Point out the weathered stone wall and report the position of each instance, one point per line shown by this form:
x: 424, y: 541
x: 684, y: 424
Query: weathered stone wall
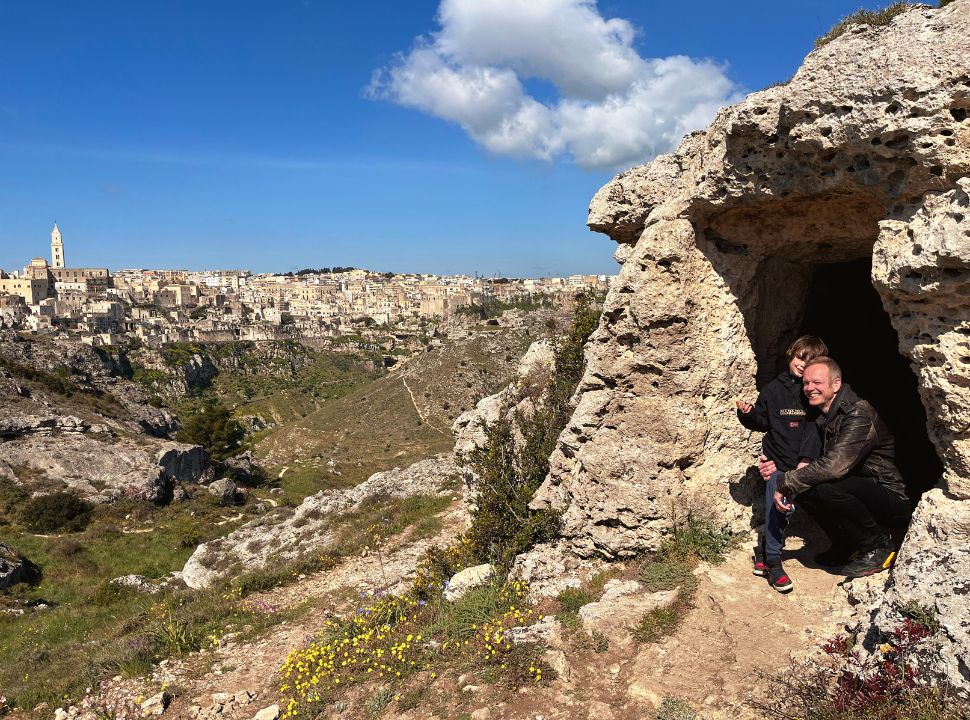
x: 864, y: 153
x: 718, y: 242
x: 921, y: 267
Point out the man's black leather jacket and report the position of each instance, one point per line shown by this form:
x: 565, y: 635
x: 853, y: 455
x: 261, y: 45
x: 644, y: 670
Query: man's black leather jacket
x: 855, y: 442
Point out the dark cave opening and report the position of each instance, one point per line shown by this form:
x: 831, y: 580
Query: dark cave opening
x: 844, y: 309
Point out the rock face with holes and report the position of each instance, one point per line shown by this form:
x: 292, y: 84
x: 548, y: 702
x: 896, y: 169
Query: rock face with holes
x: 863, y: 155
x: 718, y: 240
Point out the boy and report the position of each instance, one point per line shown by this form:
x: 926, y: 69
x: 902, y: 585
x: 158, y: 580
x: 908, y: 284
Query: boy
x: 782, y: 412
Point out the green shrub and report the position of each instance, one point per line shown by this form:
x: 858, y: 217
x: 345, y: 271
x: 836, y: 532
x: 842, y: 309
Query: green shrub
x: 667, y: 575
x: 510, y: 472
x: 214, y: 428
x: 378, y: 701
x: 697, y: 538
x: 925, y: 616
x: 572, y: 599
x: 672, y: 708
x: 865, y: 17
x: 57, y: 511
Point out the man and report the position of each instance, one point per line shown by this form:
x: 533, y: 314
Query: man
x: 854, y: 489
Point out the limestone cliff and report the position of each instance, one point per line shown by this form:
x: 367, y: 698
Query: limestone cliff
x: 863, y: 156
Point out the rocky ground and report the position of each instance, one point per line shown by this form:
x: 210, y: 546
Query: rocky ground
x: 738, y: 632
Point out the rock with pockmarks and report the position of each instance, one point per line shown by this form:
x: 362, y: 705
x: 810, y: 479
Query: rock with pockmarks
x: 468, y: 579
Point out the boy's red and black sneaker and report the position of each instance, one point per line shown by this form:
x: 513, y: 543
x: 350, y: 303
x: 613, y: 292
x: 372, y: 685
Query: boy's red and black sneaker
x: 759, y: 568
x: 778, y: 579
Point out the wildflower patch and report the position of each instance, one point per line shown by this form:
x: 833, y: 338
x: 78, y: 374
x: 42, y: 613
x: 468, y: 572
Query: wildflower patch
x: 388, y: 639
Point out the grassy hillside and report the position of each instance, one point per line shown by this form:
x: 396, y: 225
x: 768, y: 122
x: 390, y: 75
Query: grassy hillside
x: 392, y: 421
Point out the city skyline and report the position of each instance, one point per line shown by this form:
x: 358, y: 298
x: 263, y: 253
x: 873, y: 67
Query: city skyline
x: 273, y: 139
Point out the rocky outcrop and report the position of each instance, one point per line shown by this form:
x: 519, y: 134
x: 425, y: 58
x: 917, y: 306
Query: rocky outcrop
x: 280, y: 537
x: 103, y: 468
x: 921, y: 267
x: 11, y: 567
x: 932, y: 573
x: 717, y: 243
x: 74, y: 375
x: 864, y: 154
x: 14, y: 426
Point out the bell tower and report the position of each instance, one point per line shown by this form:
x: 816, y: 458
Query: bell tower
x: 57, y: 248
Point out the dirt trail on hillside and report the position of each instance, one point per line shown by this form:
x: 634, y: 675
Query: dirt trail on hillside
x: 738, y: 630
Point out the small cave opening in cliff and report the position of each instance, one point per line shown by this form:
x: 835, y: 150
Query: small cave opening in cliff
x: 844, y: 309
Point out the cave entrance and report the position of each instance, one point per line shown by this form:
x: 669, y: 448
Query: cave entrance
x: 844, y: 309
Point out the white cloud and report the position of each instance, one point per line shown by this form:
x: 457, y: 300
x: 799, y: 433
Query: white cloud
x: 613, y: 108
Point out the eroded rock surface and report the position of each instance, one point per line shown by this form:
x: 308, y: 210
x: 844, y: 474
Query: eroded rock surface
x: 279, y: 536
x: 102, y: 468
x: 863, y: 155
x: 717, y: 243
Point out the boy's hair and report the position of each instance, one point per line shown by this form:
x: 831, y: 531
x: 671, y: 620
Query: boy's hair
x: 807, y: 347
x: 834, y: 370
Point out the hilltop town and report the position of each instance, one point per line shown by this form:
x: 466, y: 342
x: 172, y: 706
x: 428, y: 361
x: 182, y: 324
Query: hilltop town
x: 99, y: 307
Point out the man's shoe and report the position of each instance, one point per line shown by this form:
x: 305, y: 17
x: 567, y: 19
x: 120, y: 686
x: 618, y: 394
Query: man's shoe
x: 870, y: 562
x: 778, y: 578
x: 835, y: 556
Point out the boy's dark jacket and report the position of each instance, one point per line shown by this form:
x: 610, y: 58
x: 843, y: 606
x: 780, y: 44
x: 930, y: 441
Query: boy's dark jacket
x: 783, y: 413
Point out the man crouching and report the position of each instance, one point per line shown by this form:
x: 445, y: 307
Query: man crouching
x: 854, y: 489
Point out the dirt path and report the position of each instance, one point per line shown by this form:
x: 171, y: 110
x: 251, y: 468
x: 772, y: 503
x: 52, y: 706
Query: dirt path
x: 418, y: 410
x: 738, y: 630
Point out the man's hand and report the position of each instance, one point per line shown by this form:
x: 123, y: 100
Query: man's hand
x: 782, y: 507
x: 743, y: 407
x: 766, y: 467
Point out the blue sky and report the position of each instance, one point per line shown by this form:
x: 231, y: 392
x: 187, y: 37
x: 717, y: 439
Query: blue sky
x: 460, y: 136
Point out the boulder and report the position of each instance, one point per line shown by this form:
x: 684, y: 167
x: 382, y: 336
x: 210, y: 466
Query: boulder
x: 268, y: 713
x: 138, y: 583
x: 156, y: 704
x: 860, y: 155
x: 468, y: 579
x: 863, y: 156
x: 620, y: 609
x: 101, y: 467
x: 225, y: 489
x: 11, y: 567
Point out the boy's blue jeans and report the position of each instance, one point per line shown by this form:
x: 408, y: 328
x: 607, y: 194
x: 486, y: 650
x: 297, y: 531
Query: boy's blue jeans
x: 775, y: 521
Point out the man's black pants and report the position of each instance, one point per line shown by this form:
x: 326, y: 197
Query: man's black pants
x: 851, y: 510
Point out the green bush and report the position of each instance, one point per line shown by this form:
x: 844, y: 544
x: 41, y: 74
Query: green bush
x: 510, y: 472
x: 865, y: 17
x: 572, y: 599
x: 57, y: 511
x: 697, y: 538
x: 214, y: 428
x: 667, y: 575
x: 925, y: 616
x: 672, y: 708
